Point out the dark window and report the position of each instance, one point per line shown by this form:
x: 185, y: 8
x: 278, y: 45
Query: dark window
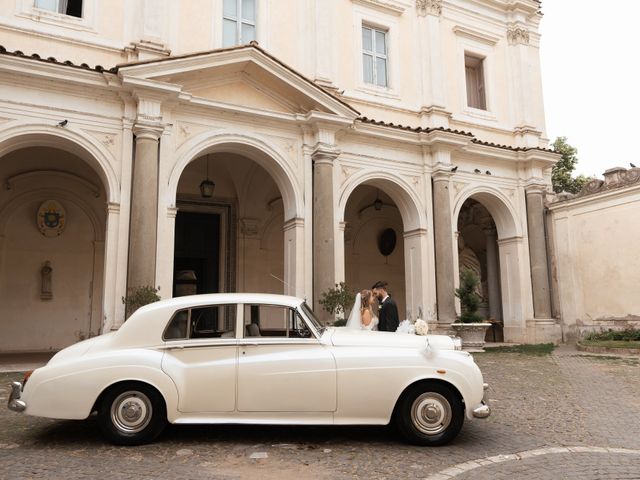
x: 67, y: 7
x: 216, y: 321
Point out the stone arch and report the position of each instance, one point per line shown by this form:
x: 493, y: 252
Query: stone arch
x: 264, y: 153
x: 406, y: 199
x: 74, y: 141
x: 509, y: 265
x: 499, y: 206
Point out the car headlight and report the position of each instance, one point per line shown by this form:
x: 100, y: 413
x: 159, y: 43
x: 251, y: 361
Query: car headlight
x: 457, y: 343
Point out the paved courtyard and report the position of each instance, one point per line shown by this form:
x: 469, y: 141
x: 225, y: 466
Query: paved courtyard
x: 559, y: 416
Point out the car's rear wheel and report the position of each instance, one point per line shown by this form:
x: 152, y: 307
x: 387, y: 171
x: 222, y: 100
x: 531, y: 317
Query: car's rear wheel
x: 430, y: 414
x: 132, y: 413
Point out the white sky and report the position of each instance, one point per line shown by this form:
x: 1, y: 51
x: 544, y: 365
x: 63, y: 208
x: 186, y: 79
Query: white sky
x: 591, y: 79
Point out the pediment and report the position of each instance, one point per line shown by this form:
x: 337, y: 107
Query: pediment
x: 245, y: 77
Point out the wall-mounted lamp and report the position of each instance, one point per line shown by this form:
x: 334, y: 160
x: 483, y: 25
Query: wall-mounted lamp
x: 207, y: 186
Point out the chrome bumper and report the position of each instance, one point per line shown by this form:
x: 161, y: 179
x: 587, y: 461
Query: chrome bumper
x: 483, y: 411
x: 15, y: 403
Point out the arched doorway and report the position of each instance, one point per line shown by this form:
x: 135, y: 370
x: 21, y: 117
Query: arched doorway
x: 478, y: 252
x: 53, y: 219
x: 373, y: 205
x: 490, y: 243
x: 374, y: 243
x: 230, y: 239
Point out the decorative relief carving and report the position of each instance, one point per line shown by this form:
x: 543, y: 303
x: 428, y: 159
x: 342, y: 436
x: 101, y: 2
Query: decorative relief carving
x: 517, y: 34
x: 458, y: 186
x: 429, y: 7
x: 613, y: 178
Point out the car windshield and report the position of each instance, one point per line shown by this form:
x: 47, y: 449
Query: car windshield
x: 312, y: 318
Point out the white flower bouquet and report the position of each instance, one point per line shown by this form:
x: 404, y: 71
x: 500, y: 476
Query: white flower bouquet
x: 420, y: 327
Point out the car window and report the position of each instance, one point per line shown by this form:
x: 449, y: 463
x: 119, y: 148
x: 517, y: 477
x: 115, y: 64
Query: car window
x: 273, y: 321
x: 214, y: 321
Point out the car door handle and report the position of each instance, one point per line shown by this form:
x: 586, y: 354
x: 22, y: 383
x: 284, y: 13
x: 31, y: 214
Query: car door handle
x: 249, y: 344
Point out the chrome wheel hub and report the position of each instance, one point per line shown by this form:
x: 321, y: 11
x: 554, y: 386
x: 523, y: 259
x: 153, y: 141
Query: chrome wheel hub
x: 431, y: 413
x: 131, y: 412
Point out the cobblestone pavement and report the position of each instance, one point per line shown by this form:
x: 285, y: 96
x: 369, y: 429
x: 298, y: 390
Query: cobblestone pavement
x: 561, y: 416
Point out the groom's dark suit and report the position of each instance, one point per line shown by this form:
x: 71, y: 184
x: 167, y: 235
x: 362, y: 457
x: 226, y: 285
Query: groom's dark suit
x: 388, y: 316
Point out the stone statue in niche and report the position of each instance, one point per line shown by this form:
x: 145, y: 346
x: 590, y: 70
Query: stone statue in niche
x: 46, y: 272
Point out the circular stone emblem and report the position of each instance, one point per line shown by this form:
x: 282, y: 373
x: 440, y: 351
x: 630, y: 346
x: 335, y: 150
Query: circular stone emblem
x: 51, y: 218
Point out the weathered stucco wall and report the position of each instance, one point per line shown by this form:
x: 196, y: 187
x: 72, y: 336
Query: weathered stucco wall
x: 595, y: 242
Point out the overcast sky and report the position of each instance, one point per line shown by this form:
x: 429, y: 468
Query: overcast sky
x: 590, y: 71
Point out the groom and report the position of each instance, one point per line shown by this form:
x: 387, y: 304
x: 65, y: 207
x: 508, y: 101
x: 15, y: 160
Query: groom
x: 388, y: 314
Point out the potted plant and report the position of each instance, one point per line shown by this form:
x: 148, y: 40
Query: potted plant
x: 138, y: 297
x: 336, y: 301
x: 469, y: 325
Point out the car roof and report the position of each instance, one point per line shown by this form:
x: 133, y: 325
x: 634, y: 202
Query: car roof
x: 220, y: 298
x: 145, y: 326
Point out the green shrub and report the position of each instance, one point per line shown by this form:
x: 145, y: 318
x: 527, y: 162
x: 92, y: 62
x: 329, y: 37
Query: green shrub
x: 629, y: 334
x: 469, y: 299
x: 138, y: 297
x: 337, y: 300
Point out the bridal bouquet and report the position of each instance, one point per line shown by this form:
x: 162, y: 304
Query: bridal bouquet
x: 420, y: 327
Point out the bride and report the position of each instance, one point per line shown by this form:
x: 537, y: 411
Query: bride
x: 362, y: 314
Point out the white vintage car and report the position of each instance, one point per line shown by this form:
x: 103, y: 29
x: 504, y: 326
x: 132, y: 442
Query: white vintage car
x: 254, y: 359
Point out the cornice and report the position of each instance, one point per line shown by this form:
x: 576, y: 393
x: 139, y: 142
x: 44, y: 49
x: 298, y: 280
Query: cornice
x: 477, y: 35
x: 393, y: 7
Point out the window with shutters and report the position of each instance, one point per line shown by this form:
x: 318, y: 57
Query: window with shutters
x: 474, y: 72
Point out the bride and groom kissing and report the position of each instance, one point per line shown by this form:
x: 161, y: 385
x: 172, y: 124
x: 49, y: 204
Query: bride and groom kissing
x: 374, y: 310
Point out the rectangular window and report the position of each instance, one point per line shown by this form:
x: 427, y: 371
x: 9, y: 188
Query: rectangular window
x: 216, y: 321
x: 273, y: 321
x: 238, y: 22
x: 374, y: 56
x: 66, y: 7
x: 474, y: 72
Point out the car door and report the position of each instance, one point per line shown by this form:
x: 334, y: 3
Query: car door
x: 201, y: 357
x: 282, y: 366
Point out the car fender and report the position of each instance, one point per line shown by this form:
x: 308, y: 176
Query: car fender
x: 70, y: 389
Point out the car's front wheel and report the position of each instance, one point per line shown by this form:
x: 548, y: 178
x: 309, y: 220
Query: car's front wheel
x: 132, y: 413
x: 430, y: 414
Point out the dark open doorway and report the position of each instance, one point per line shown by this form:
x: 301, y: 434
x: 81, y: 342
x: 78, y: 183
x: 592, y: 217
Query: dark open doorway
x: 196, y: 265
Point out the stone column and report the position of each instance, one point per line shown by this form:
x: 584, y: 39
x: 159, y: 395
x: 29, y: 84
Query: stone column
x: 144, y: 208
x: 538, y: 252
x: 294, y: 257
x: 443, y: 231
x: 493, y: 275
x: 324, y: 274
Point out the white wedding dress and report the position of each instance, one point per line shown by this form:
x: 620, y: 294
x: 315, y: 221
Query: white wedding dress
x: 355, y: 317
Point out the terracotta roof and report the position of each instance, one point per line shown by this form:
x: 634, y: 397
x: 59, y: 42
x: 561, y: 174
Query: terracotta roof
x: 412, y: 129
x: 68, y: 63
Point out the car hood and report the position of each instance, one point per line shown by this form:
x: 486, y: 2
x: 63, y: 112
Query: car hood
x: 342, y: 336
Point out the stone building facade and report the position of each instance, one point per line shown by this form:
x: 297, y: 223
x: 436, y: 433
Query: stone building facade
x: 594, y: 243
x: 326, y: 128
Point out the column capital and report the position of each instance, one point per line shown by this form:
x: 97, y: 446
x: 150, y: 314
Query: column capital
x: 518, y: 34
x: 113, y: 208
x: 535, y: 187
x: 442, y: 173
x: 292, y: 223
x: 324, y: 153
x: 147, y: 131
x: 429, y: 7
